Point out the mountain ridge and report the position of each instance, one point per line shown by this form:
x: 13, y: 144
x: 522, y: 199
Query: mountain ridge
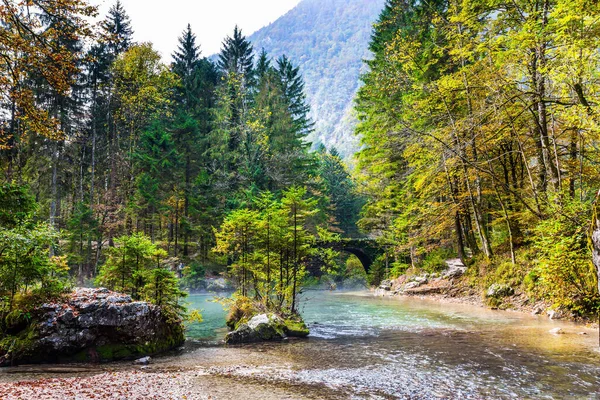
x: 330, y: 56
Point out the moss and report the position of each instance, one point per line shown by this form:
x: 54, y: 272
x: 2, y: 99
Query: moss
x: 295, y: 327
x: 22, y: 345
x: 82, y: 356
x: 493, y: 302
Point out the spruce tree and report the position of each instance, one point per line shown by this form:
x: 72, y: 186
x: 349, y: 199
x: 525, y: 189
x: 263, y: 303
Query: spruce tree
x: 117, y: 32
x: 192, y: 118
x: 186, y: 60
x: 293, y: 89
x: 236, y: 55
x: 263, y: 64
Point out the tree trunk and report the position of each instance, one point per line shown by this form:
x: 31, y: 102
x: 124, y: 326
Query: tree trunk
x: 186, y: 206
x: 596, y: 246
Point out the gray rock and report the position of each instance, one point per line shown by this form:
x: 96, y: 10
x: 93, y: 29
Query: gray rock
x: 96, y: 324
x: 262, y: 327
x: 456, y: 268
x: 243, y: 334
x: 421, y: 280
x: 143, y: 361
x: 386, y: 285
x: 555, y: 314
x: 499, y: 290
x: 412, y: 285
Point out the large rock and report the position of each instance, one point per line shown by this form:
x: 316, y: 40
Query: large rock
x: 96, y: 325
x: 456, y: 268
x: 498, y: 290
x: 266, y: 327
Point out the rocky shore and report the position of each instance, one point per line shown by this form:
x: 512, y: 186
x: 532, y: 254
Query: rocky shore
x: 450, y: 286
x: 92, y: 325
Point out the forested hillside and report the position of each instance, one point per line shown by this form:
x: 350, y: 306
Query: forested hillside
x: 480, y: 126
x: 118, y: 169
x: 328, y: 39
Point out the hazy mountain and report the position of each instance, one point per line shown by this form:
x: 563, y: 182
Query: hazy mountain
x: 328, y: 39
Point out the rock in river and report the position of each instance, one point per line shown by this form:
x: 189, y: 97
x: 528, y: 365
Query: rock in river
x: 94, y: 325
x: 266, y: 327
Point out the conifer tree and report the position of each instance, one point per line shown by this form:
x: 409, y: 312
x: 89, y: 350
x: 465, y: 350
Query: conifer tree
x: 293, y: 89
x: 236, y: 56
x: 192, y: 118
x: 263, y: 65
x: 117, y: 31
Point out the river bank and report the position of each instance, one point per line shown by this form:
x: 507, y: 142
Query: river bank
x: 361, y: 346
x: 452, y: 287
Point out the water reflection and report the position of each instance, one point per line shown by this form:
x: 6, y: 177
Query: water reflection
x: 421, y: 349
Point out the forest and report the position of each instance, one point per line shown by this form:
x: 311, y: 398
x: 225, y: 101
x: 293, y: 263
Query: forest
x: 182, y: 226
x: 119, y: 169
x: 480, y: 129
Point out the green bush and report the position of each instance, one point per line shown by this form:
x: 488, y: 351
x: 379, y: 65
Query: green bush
x: 193, y: 276
x: 564, y: 273
x: 435, y: 261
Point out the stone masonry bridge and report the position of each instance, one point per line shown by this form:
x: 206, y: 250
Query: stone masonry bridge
x: 366, y: 250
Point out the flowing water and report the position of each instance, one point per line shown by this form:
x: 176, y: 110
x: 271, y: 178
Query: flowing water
x: 363, y: 346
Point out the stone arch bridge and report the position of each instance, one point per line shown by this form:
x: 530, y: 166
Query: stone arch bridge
x: 366, y: 250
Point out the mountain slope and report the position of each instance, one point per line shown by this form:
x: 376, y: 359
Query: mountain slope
x: 328, y: 39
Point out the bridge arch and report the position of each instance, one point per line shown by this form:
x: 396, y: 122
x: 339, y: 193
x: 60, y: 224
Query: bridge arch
x: 364, y: 258
x: 366, y: 250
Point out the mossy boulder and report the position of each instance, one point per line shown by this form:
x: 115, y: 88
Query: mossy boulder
x: 295, y: 327
x: 93, y: 325
x: 267, y: 327
x: 498, y: 291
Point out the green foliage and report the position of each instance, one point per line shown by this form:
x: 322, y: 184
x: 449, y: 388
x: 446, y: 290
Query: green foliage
x: 17, y: 205
x: 193, y: 276
x: 435, y: 261
x: 25, y: 264
x: 241, y: 309
x: 377, y: 272
x: 466, y: 148
x: 341, y: 191
x: 564, y: 272
x: 398, y: 268
x: 355, y: 275
x: 268, y: 247
x: 136, y: 265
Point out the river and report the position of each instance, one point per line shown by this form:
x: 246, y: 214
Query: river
x: 369, y: 347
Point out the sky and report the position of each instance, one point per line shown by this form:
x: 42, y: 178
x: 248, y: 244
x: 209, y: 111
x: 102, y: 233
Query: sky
x: 162, y: 21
